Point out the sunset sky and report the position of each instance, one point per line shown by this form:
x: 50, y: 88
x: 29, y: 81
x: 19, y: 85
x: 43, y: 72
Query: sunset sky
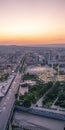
x: 32, y: 21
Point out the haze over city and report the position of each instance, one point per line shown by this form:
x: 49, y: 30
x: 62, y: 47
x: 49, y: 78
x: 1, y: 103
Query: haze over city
x: 29, y: 22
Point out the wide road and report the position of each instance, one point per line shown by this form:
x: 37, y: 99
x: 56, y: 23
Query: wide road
x: 7, y: 102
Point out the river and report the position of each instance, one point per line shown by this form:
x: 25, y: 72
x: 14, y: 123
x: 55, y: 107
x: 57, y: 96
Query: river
x: 51, y: 124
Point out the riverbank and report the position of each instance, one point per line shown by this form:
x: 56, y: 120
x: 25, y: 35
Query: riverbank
x: 43, y: 112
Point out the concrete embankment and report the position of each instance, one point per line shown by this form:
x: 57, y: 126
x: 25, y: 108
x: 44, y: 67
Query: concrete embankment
x: 43, y: 112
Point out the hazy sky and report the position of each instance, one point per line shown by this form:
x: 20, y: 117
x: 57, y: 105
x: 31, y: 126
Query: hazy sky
x: 32, y: 21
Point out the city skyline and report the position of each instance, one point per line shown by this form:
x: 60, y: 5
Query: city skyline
x: 32, y: 22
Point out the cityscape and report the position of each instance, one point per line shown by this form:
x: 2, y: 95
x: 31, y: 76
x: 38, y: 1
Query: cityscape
x: 32, y: 65
x: 32, y: 88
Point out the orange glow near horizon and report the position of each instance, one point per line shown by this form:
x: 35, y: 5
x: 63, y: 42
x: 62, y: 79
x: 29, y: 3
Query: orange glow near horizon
x: 32, y: 21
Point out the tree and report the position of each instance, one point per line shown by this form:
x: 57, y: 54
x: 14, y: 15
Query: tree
x: 27, y: 103
x: 16, y: 96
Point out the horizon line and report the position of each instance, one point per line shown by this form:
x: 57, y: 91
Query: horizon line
x: 36, y: 45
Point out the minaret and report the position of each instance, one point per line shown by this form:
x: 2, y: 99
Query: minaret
x: 58, y: 73
x: 58, y: 69
x: 52, y: 65
x: 52, y: 69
